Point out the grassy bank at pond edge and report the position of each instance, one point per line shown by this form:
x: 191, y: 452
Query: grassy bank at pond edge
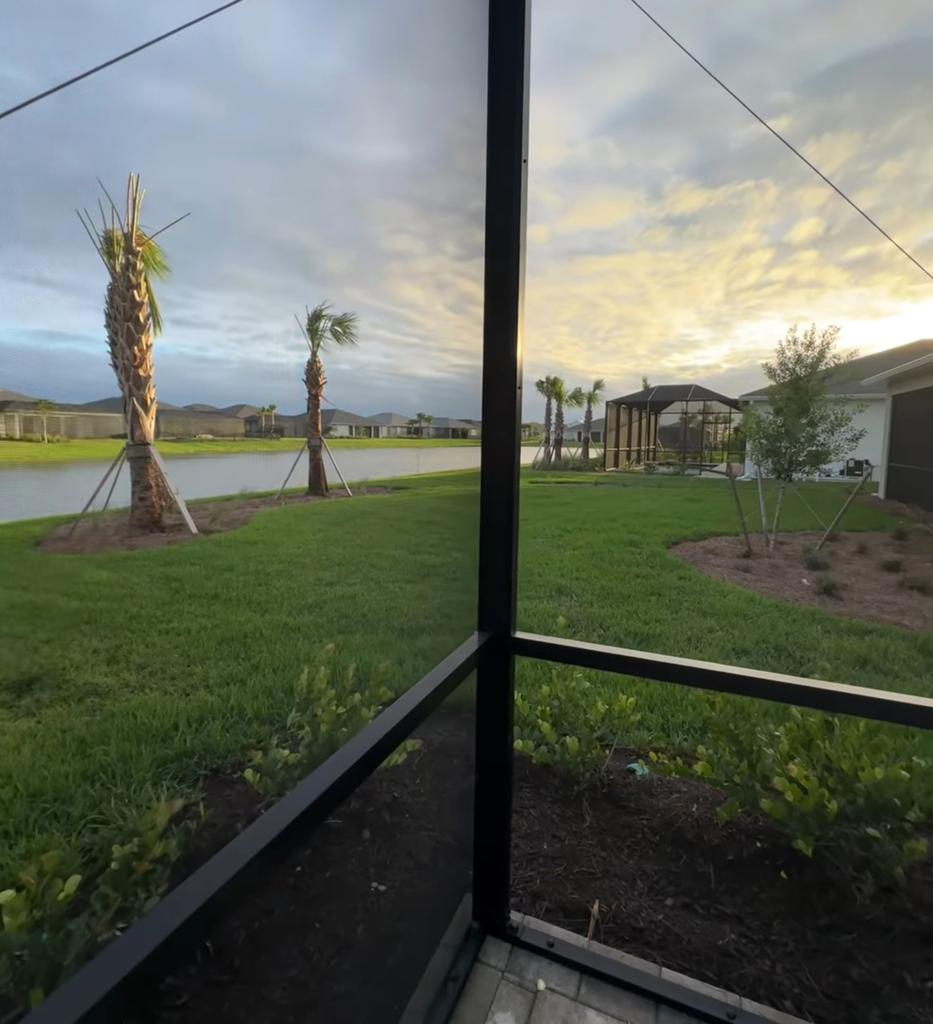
x: 17, y: 453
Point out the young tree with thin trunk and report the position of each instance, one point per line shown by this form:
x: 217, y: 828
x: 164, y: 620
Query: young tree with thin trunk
x: 803, y: 429
x: 427, y: 420
x: 132, y: 319
x: 564, y: 398
x: 591, y: 397
x: 321, y: 329
x: 43, y: 407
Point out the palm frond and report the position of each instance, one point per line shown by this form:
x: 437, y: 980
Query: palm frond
x: 343, y: 329
x: 322, y: 327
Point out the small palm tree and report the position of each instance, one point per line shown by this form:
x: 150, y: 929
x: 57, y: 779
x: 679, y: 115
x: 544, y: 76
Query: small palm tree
x: 132, y: 318
x: 43, y: 407
x: 563, y: 398
x: 271, y: 410
x: 320, y: 329
x: 420, y: 419
x: 427, y: 420
x: 590, y: 397
x: 262, y: 419
x: 545, y: 388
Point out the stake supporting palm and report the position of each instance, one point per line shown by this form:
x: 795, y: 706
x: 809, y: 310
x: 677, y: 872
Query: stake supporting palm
x: 321, y: 329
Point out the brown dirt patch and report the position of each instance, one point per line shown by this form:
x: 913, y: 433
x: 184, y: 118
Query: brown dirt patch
x: 112, y: 531
x: 865, y: 590
x: 677, y: 888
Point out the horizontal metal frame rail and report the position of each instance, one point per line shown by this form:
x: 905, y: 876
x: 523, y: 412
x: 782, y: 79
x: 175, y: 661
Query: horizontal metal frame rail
x: 153, y: 944
x: 836, y: 698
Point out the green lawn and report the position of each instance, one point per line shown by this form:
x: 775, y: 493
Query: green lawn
x: 126, y: 675
x: 91, y: 449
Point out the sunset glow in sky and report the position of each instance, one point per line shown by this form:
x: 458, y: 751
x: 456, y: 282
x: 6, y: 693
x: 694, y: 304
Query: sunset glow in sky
x: 333, y: 150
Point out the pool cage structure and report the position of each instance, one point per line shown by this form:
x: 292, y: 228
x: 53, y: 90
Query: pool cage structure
x: 684, y: 425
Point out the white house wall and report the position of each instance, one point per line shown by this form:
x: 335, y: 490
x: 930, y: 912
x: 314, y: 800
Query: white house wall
x: 871, y: 417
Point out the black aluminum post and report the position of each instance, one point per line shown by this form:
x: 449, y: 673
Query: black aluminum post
x: 506, y: 174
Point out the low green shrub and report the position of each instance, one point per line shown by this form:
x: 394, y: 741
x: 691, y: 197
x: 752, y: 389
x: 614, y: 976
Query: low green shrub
x: 573, y: 464
x: 815, y: 560
x: 834, y: 785
x: 329, y: 709
x: 63, y: 906
x: 900, y: 532
x: 564, y: 720
x: 920, y: 584
x: 892, y: 565
x: 828, y: 587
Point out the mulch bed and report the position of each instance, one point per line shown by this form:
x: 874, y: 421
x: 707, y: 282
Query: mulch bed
x: 677, y: 888
x: 112, y: 531
x: 865, y: 590
x: 342, y: 930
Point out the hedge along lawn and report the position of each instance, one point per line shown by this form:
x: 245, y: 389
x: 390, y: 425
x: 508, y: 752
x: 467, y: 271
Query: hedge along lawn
x: 103, y: 448
x: 124, y: 676
x: 595, y: 566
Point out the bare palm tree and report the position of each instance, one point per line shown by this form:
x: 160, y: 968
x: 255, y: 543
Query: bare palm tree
x: 563, y: 399
x: 590, y: 397
x: 43, y: 407
x: 132, y: 318
x: 545, y: 388
x: 320, y: 329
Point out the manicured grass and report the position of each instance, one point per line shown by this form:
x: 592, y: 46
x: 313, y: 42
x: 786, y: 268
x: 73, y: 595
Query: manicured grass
x: 93, y: 449
x: 126, y: 675
x: 595, y: 566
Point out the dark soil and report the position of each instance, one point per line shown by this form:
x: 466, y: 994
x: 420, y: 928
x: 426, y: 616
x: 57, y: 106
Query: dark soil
x: 677, y: 888
x: 112, y: 531
x: 864, y: 590
x: 318, y: 938
x: 343, y: 929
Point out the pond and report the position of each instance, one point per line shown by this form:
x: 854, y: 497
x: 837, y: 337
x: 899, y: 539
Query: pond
x: 27, y: 492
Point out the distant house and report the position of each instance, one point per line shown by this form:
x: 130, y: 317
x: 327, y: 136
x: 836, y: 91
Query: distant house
x: 340, y: 423
x: 393, y: 424
x: 574, y: 433
x: 861, y: 382
x: 445, y: 427
x: 334, y: 423
x: 530, y: 430
x: 104, y: 418
x: 906, y: 472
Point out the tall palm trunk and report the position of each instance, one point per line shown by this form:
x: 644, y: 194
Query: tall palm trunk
x: 558, y: 431
x: 548, y: 421
x: 130, y: 294
x: 314, y: 382
x: 587, y: 429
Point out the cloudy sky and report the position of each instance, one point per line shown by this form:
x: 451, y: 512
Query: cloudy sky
x: 328, y: 149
